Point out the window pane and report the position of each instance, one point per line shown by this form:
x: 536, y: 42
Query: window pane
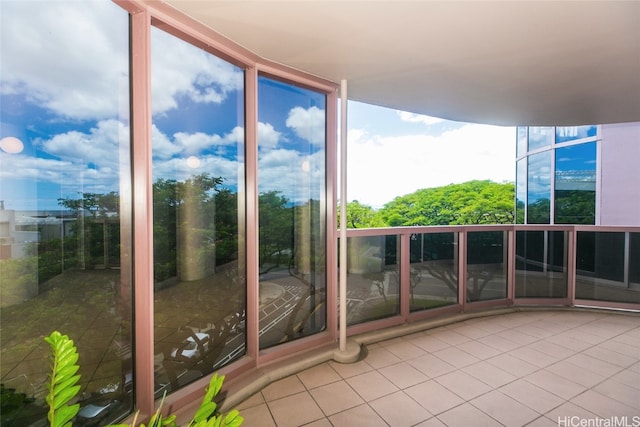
x: 521, y: 144
x: 373, y: 272
x: 541, y: 261
x: 540, y: 137
x: 634, y: 256
x: 291, y: 205
x: 65, y: 204
x: 198, y: 172
x: 486, y: 265
x: 600, y: 269
x: 434, y: 270
x: 521, y: 190
x: 539, y: 188
x: 570, y: 133
x: 575, y: 186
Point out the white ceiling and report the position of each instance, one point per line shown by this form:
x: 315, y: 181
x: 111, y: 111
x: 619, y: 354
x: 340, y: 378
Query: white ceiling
x: 499, y: 62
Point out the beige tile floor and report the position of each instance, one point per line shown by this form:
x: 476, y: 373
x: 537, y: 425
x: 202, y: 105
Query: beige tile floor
x: 538, y: 368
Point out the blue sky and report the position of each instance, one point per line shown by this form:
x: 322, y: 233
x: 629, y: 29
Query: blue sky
x: 75, y: 129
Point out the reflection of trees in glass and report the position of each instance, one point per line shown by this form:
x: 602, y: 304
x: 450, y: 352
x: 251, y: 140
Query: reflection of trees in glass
x: 92, y: 240
x: 195, y: 227
x: 575, y: 207
x: 519, y: 211
x: 538, y: 212
x: 276, y: 230
x: 539, y: 188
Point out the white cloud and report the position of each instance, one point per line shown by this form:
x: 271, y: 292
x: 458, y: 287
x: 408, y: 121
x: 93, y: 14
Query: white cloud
x: 82, y: 48
x: 268, y: 137
x: 194, y: 143
x: 298, y: 177
x: 308, y: 124
x: 181, y: 69
x: 382, y: 168
x: 406, y: 116
x: 99, y: 147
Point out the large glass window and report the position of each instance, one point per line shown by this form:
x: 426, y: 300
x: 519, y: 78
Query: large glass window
x: 292, y: 211
x: 539, y: 188
x: 198, y: 192
x: 575, y: 184
x: 64, y: 204
x: 434, y: 270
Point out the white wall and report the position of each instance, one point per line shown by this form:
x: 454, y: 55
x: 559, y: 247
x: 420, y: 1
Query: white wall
x: 620, y: 174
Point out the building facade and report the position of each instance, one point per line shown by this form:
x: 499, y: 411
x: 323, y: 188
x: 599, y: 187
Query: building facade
x: 578, y: 175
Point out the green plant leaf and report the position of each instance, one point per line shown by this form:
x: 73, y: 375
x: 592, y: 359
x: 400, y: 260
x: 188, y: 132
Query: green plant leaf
x: 205, y: 411
x: 65, y: 396
x: 65, y: 373
x: 62, y: 379
x: 233, y: 418
x: 65, y: 414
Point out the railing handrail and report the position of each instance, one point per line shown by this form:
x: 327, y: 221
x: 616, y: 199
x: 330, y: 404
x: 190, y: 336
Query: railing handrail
x: 414, y: 229
x: 513, y: 265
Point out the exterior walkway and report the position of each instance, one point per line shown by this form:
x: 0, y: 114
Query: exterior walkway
x: 530, y: 368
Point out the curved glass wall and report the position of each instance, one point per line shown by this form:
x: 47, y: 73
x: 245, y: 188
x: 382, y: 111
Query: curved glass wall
x: 65, y: 205
x: 567, y: 154
x: 198, y: 191
x: 292, y: 211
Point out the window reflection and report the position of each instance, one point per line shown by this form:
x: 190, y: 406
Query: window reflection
x: 291, y: 205
x: 570, y: 133
x: 575, y: 184
x: 198, y: 170
x: 541, y: 264
x: 64, y: 198
x: 373, y: 278
x: 604, y: 268
x: 486, y: 265
x: 539, y: 188
x: 521, y: 190
x: 540, y: 137
x: 521, y: 147
x: 434, y: 270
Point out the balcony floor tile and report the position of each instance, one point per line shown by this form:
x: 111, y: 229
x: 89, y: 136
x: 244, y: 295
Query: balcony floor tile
x: 514, y: 369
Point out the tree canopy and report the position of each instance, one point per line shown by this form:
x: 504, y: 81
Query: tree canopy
x: 472, y: 202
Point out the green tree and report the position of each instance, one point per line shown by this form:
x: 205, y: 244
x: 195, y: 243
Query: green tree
x: 473, y: 202
x: 361, y: 216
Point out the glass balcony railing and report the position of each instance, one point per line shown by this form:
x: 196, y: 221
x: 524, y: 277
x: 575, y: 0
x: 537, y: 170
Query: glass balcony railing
x: 408, y: 273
